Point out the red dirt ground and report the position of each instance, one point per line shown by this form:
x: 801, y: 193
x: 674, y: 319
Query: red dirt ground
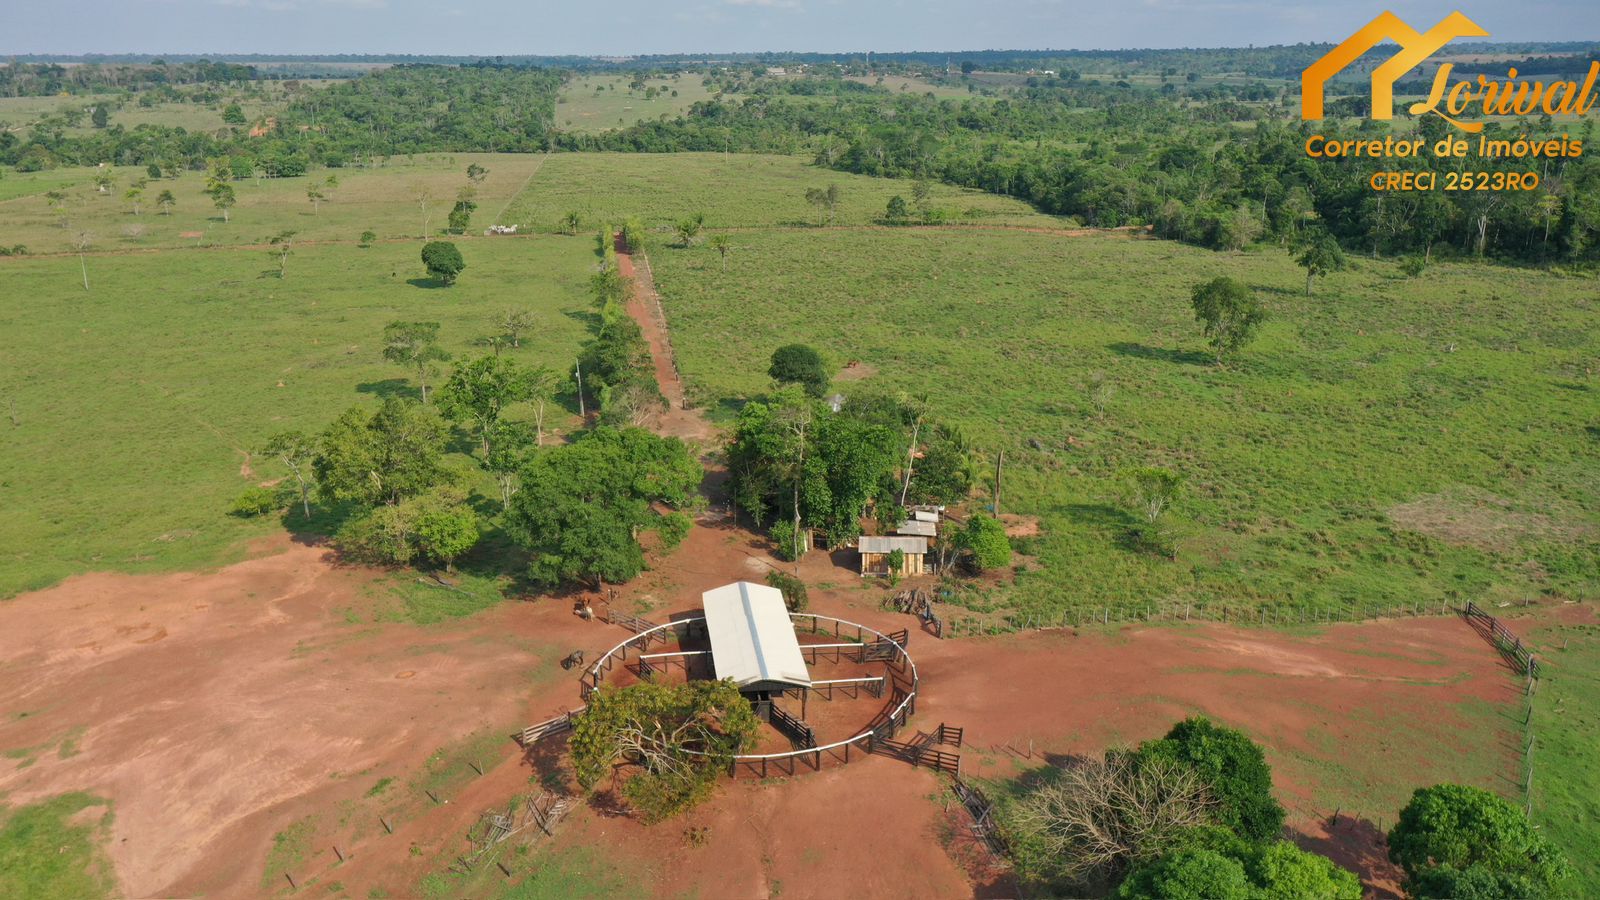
x: 216, y: 709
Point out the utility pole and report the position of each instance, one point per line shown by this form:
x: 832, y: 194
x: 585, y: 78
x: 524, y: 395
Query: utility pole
x: 578, y: 377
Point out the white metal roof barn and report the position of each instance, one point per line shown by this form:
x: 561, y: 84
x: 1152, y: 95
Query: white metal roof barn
x: 752, y: 638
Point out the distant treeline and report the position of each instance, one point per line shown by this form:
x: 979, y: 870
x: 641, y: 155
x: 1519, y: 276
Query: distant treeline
x: 47, y: 79
x: 1220, y: 173
x: 405, y: 109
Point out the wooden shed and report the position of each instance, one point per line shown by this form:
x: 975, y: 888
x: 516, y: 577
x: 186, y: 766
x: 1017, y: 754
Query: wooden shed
x: 875, y: 552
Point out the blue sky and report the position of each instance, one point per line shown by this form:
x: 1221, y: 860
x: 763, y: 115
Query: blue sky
x: 622, y: 27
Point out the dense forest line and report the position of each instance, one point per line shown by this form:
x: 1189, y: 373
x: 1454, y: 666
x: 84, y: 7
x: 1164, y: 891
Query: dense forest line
x: 1205, y: 165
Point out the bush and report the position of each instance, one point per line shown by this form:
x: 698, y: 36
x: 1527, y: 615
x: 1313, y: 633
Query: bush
x: 673, y: 528
x: 443, y: 261
x: 367, y: 237
x: 255, y: 501
x: 1464, y: 842
x: 782, y: 535
x: 795, y: 597
x: 985, y: 538
x: 1211, y: 863
x: 1234, y: 768
x: 802, y: 365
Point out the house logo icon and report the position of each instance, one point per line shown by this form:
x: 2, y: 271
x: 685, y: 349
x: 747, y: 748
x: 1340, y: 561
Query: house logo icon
x: 1414, y: 48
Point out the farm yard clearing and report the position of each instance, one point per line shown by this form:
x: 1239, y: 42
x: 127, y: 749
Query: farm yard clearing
x: 1338, y: 709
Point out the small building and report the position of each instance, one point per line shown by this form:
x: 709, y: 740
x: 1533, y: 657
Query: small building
x: 918, y: 528
x: 753, y: 641
x: 926, y: 513
x: 875, y: 552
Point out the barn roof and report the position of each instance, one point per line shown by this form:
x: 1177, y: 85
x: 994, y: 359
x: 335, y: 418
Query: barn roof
x: 918, y: 527
x: 752, y: 639
x: 878, y: 544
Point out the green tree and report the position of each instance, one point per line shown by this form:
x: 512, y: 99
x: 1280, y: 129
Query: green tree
x: 460, y: 217
x: 101, y: 116
x: 477, y: 393
x: 723, y: 245
x: 1151, y: 491
x: 1210, y: 862
x: 282, y: 245
x: 689, y: 229
x: 985, y: 538
x: 476, y: 173
x: 1232, y: 766
x: 514, y: 322
x: 166, y: 202
x: 133, y: 195
x: 414, y: 345
x: 897, y: 211
x: 233, y: 114
x: 581, y: 505
x: 1230, y: 312
x: 795, y: 596
x: 297, y: 451
x: 446, y: 527
x: 443, y: 261
x: 1320, y: 256
x: 1455, y: 841
x: 802, y: 365
x: 571, y: 221
x: 680, y: 736
x: 316, y: 196
x: 367, y: 237
x: 380, y: 458
x: 222, y: 197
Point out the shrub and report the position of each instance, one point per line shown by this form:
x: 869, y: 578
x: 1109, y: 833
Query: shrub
x: 795, y: 597
x: 367, y: 237
x: 1234, y: 768
x: 782, y: 535
x: 1211, y: 863
x: 985, y: 538
x: 802, y: 365
x: 255, y: 501
x: 443, y: 261
x: 1464, y: 842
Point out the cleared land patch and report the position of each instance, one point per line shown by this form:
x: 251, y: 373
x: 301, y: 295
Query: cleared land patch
x: 733, y: 191
x: 139, y: 404
x: 603, y: 102
x: 1374, y: 392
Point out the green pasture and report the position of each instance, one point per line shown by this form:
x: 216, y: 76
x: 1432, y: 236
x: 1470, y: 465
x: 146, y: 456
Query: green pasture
x: 1388, y: 442
x: 733, y: 191
x: 1566, y: 729
x: 394, y: 200
x: 603, y: 102
x: 128, y: 409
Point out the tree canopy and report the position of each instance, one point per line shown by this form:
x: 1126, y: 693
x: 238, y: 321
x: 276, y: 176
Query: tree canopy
x: 1230, y: 313
x: 1235, y: 769
x: 581, y: 505
x: 802, y: 365
x: 1455, y: 841
x: 443, y: 261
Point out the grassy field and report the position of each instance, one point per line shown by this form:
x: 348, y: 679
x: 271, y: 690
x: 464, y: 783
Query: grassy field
x: 52, y: 849
x: 1389, y: 442
x: 135, y: 402
x: 901, y: 84
x: 22, y: 112
x: 734, y: 191
x: 603, y: 102
x: 383, y: 199
x: 1566, y: 729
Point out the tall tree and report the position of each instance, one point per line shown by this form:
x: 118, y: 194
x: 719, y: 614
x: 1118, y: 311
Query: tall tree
x: 478, y: 393
x: 1230, y: 313
x: 297, y: 451
x: 414, y: 345
x: 1320, y: 256
x: 380, y: 458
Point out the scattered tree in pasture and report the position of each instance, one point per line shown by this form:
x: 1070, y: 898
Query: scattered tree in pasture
x: 514, y: 322
x: 297, y: 451
x: 414, y: 345
x: 166, y: 201
x: 443, y: 261
x: 581, y: 505
x: 1320, y: 256
x: 689, y: 229
x: 1100, y: 390
x: 1230, y: 313
x: 103, y: 181
x: 1455, y: 841
x: 681, y: 736
x: 803, y: 365
x: 367, y: 237
x: 101, y: 116
x: 233, y: 114
x: 571, y: 222
x: 897, y: 212
x: 1151, y: 490
x: 476, y: 173
x: 282, y: 245
x: 316, y: 196
x: 460, y: 218
x: 826, y: 200
x: 153, y: 170
x: 133, y: 195
x: 222, y: 197
x: 380, y: 458
x: 422, y: 194
x: 81, y: 242
x: 1232, y: 767
x: 478, y: 393
x: 723, y: 245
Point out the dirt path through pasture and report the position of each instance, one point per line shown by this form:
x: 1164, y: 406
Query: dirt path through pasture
x: 644, y: 306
